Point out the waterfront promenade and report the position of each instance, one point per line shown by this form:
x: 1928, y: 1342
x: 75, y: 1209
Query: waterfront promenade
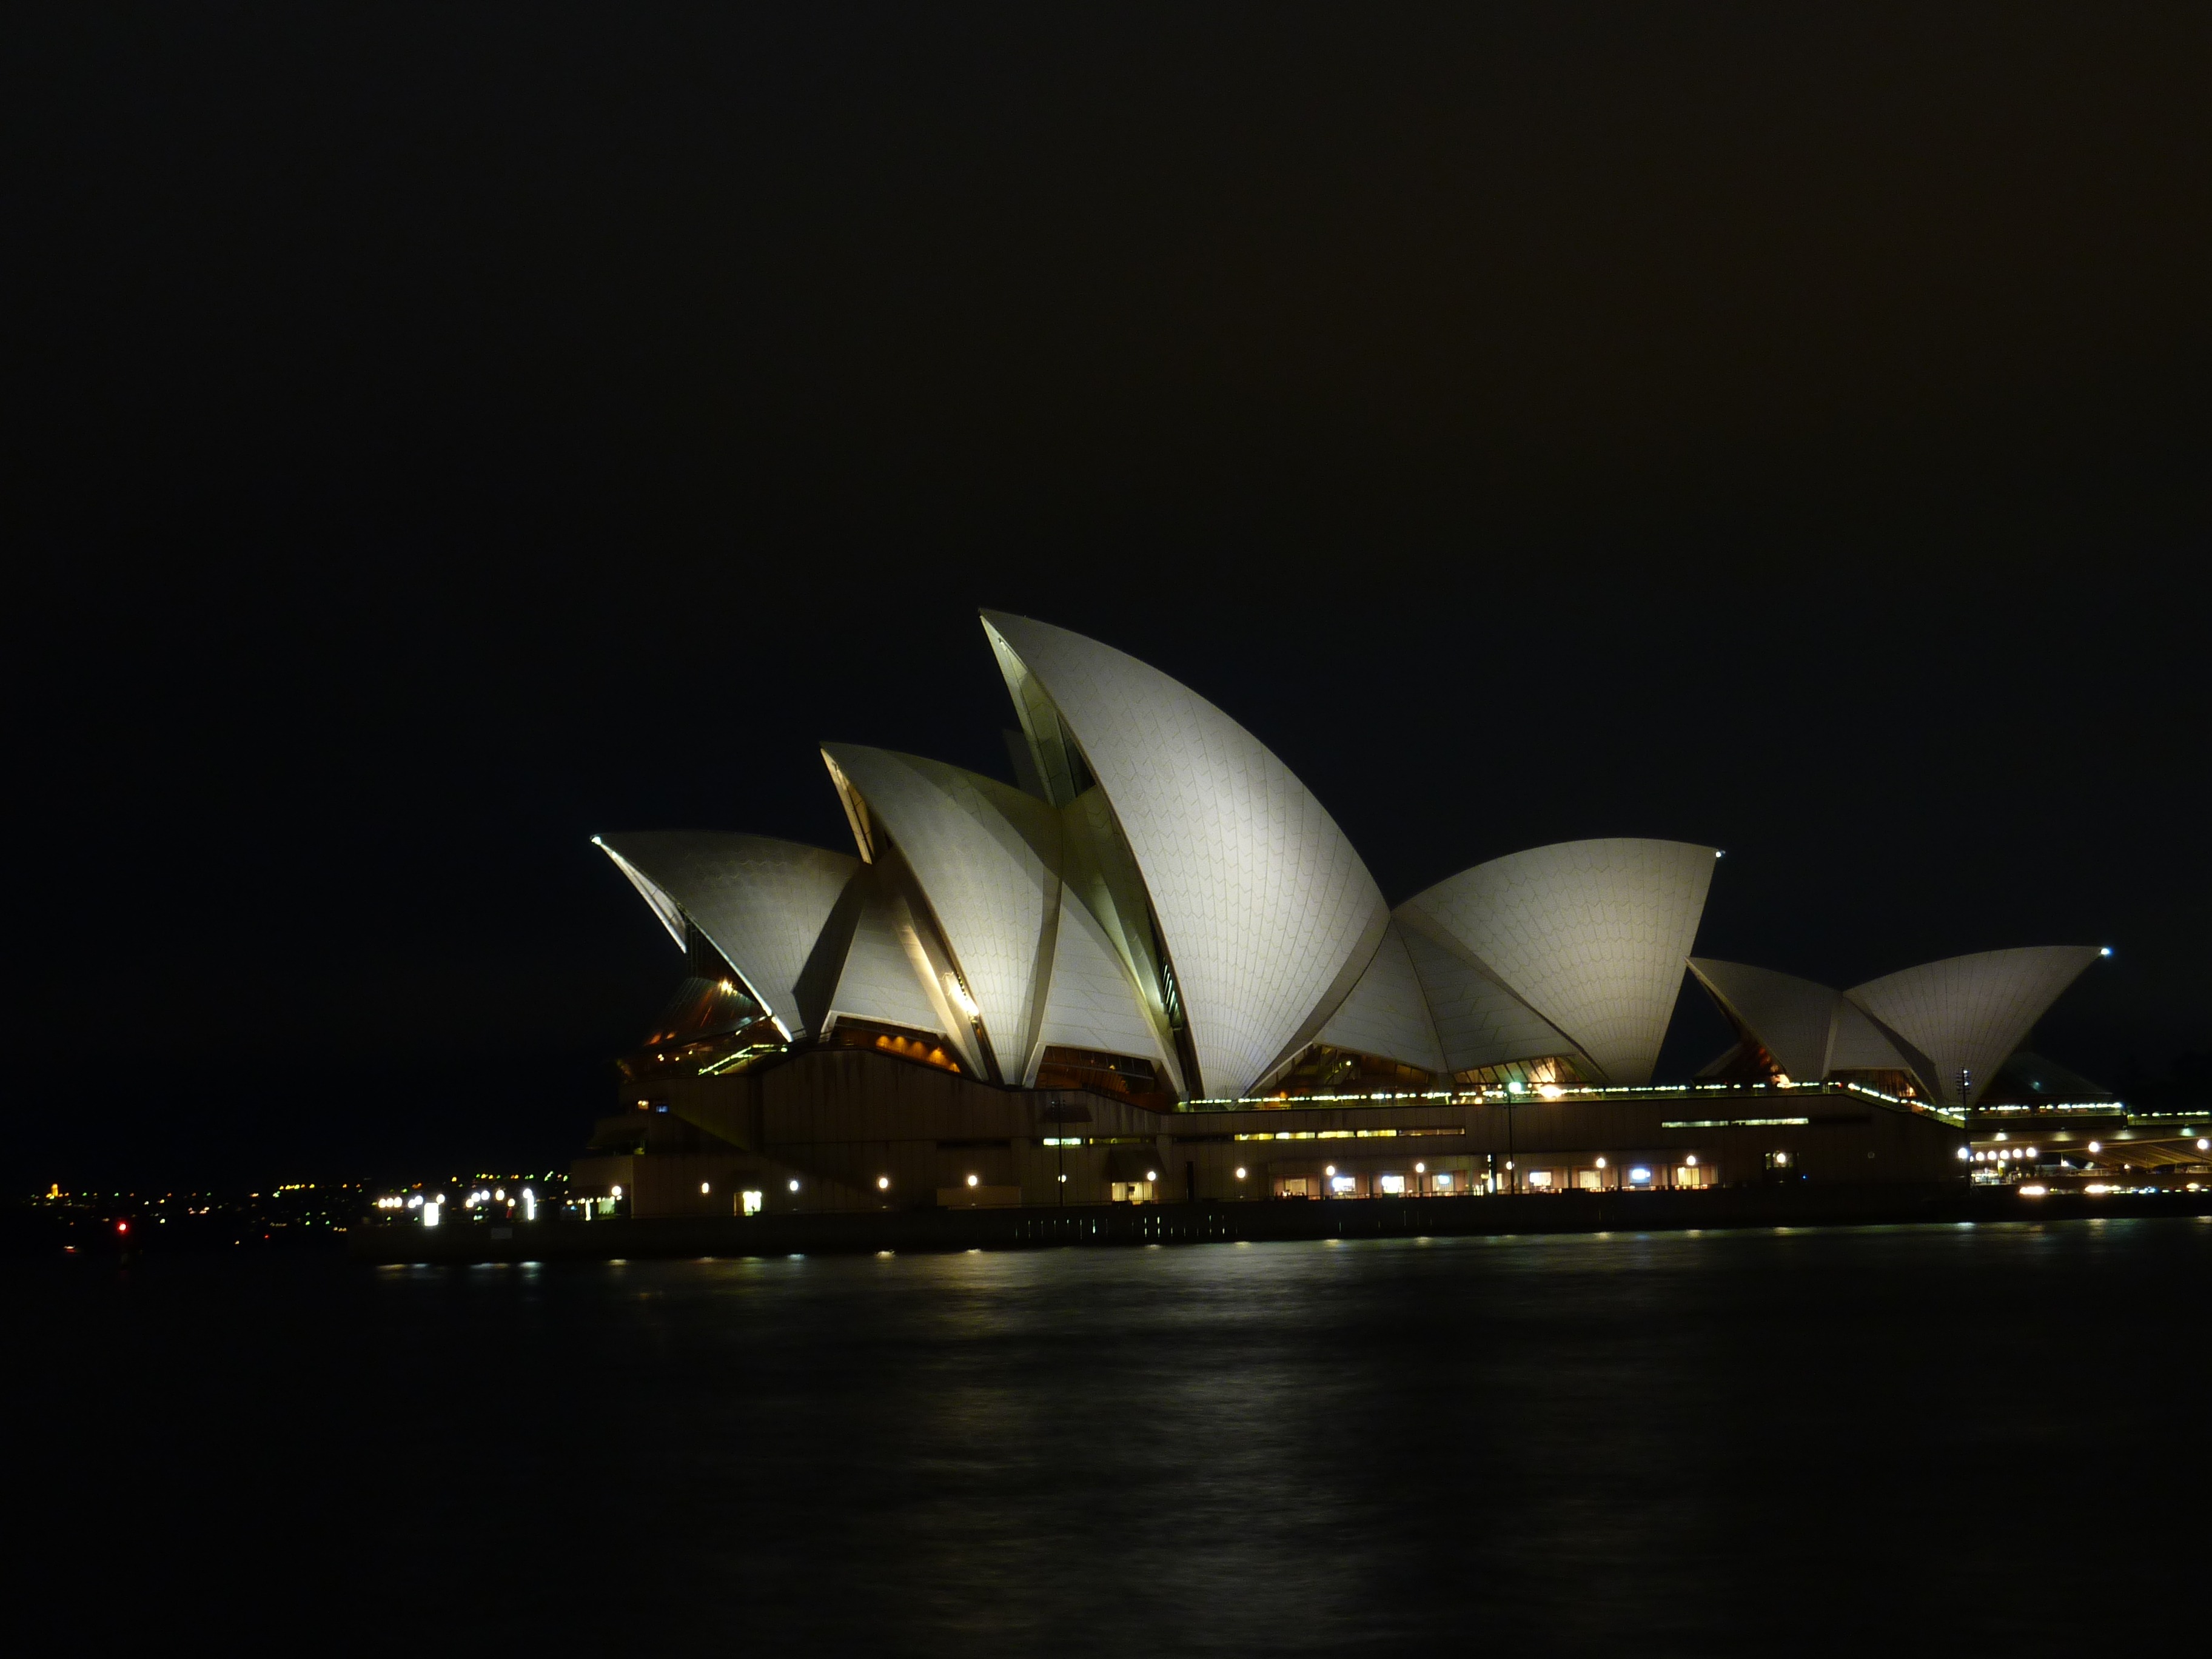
x: 1017, y: 1228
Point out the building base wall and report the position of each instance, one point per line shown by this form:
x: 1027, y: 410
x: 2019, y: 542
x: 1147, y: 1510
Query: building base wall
x: 836, y: 1130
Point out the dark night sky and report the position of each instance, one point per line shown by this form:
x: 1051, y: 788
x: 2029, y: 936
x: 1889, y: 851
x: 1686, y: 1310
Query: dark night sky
x: 442, y: 434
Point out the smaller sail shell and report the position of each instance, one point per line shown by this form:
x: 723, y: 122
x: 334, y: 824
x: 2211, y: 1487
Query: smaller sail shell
x: 1968, y: 1014
x: 1593, y: 935
x: 762, y: 901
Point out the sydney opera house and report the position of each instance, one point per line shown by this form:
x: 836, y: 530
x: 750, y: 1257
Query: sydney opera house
x: 1153, y: 969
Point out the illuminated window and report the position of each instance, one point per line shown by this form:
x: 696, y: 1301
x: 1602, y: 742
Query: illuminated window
x: 1540, y: 1177
x: 1393, y: 1183
x: 1343, y: 1184
x: 1444, y: 1181
x: 752, y: 1202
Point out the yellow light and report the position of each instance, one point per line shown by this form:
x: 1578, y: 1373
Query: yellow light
x: 1239, y: 1172
x: 972, y: 1181
x: 702, y: 1187
x: 1551, y: 1092
x: 961, y: 999
x: 883, y: 1183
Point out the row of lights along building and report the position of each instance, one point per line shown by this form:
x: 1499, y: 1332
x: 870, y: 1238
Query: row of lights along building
x: 1695, y: 1138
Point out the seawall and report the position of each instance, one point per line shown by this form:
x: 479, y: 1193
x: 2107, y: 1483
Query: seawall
x: 1030, y: 1228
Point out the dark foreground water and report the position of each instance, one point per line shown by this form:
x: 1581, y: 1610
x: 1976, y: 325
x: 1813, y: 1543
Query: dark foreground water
x: 1769, y: 1442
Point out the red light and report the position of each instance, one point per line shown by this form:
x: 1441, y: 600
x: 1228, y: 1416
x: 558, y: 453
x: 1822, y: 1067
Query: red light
x: 122, y: 1226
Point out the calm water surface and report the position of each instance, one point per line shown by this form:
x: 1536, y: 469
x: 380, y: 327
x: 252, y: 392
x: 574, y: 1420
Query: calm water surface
x: 1753, y: 1442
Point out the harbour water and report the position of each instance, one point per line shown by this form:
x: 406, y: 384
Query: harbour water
x: 1763, y: 1441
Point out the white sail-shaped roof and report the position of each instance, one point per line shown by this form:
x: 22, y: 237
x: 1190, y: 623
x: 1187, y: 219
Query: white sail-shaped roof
x: 1793, y: 1019
x: 986, y: 858
x: 1591, y: 934
x: 1811, y: 1031
x: 1387, y: 1012
x: 762, y: 902
x: 880, y: 977
x: 1860, y: 1045
x: 1266, y: 910
x: 1479, y: 1022
x: 1090, y: 1002
x: 1968, y: 1013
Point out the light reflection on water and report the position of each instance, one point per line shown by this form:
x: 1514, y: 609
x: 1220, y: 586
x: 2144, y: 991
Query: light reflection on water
x: 1754, y: 1441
